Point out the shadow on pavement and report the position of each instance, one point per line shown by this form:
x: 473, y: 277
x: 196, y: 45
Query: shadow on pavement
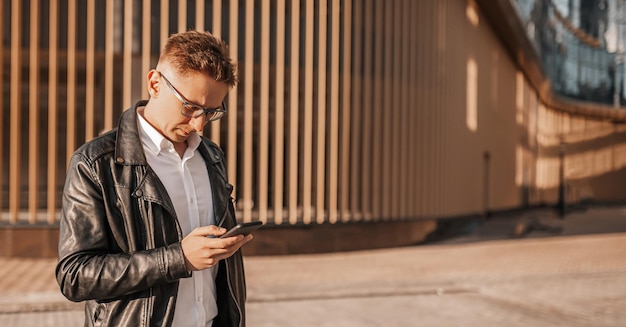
x: 533, y: 222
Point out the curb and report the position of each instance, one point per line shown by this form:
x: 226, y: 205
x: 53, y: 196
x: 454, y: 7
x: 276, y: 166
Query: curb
x: 37, y: 302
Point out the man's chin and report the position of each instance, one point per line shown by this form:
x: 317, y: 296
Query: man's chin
x: 178, y: 138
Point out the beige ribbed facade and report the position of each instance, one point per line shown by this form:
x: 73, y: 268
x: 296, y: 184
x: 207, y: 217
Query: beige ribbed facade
x: 351, y: 110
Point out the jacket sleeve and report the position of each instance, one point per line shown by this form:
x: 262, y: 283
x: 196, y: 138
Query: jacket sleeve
x: 91, y: 264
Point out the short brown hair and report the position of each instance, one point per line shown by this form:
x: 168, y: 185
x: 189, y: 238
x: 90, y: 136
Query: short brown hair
x: 195, y: 51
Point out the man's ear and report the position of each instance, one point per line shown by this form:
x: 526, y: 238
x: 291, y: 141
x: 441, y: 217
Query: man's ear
x: 153, y: 79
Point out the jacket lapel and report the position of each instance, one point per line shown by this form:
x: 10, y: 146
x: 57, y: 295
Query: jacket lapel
x: 220, y: 188
x: 129, y: 153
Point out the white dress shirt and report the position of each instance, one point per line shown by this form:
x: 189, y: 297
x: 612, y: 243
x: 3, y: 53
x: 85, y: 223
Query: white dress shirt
x: 187, y: 183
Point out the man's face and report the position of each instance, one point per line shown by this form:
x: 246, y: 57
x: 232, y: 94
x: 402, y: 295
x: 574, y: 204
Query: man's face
x: 163, y: 111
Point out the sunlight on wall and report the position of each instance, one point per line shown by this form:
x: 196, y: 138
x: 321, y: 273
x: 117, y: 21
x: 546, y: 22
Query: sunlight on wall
x: 532, y: 120
x: 472, y: 13
x: 547, y: 173
x: 471, y: 118
x: 519, y: 98
x: 596, y: 162
x: 519, y: 165
x: 495, y: 90
x: 555, y: 127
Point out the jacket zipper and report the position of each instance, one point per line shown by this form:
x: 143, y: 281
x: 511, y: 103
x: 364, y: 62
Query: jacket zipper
x: 230, y: 286
x: 220, y: 223
x: 232, y: 294
x: 149, y: 302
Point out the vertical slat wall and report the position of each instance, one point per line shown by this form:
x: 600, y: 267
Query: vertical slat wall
x: 346, y: 110
x: 217, y: 31
x: 356, y: 99
x: 2, y: 165
x: 16, y: 102
x: 146, y: 58
x: 53, y: 107
x: 232, y: 100
x: 90, y: 71
x: 363, y: 163
x: 127, y: 75
x: 70, y: 138
x: 264, y: 112
x: 109, y: 51
x: 248, y: 111
x: 307, y: 147
x: 320, y: 169
x: 278, y: 172
x: 348, y: 113
x: 333, y: 143
x: 33, y: 114
x: 294, y: 132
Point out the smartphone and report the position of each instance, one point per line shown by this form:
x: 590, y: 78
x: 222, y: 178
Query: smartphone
x: 243, y: 229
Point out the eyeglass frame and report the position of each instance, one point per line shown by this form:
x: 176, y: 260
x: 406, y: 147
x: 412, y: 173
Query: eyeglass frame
x: 218, y: 113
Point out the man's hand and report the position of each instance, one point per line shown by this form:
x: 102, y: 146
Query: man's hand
x: 202, y: 252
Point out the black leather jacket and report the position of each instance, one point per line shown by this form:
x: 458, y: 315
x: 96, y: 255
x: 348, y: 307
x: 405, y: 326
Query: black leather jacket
x: 119, y: 243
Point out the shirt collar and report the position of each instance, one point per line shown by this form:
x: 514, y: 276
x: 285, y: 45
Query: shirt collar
x: 156, y: 142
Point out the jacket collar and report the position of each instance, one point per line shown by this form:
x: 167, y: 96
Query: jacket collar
x: 128, y: 146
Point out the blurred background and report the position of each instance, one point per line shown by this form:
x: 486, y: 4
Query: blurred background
x: 353, y: 120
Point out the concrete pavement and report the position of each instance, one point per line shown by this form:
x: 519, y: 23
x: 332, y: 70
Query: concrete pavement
x: 506, y: 271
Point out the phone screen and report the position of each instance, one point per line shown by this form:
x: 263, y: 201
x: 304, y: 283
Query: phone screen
x: 243, y: 229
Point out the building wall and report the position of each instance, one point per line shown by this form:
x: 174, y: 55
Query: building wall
x: 347, y: 111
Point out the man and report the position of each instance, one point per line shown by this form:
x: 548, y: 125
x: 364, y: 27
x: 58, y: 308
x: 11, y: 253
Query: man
x: 144, y: 205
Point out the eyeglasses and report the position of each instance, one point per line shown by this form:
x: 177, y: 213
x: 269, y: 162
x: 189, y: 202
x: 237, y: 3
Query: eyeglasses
x: 192, y: 110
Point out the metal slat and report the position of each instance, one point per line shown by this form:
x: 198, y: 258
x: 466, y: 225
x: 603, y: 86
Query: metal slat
x: 52, y: 111
x: 407, y: 106
x: 354, y: 211
x: 397, y: 181
x: 217, y: 31
x: 368, y: 92
x: 164, y: 22
x: 320, y: 173
x: 233, y: 46
x: 294, y: 111
x: 90, y: 71
x: 386, y: 193
x: 200, y: 5
x: 16, y: 109
x: 71, y: 80
x: 248, y: 113
x: 182, y: 15
x: 127, y: 64
x: 146, y: 56
x: 308, y: 113
x: 2, y: 109
x: 264, y: 108
x: 279, y: 127
x: 412, y: 110
x: 378, y: 115
x: 346, y: 118
x: 108, y: 66
x: 333, y: 174
x: 33, y: 116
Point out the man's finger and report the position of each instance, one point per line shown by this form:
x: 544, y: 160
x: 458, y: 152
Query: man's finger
x: 210, y: 230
